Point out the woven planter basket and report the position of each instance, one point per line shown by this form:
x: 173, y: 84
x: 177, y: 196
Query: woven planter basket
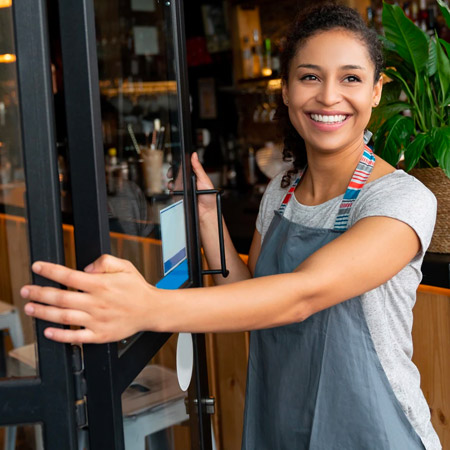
x: 436, y: 180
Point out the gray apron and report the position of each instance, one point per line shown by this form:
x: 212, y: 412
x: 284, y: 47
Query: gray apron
x: 318, y: 384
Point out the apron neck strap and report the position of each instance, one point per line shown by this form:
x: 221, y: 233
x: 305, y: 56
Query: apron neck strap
x: 359, y: 178
x: 290, y: 192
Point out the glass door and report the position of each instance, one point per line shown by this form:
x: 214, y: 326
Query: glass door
x: 128, y: 134
x: 105, y: 127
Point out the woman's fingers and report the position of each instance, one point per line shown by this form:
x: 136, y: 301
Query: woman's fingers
x: 63, y: 275
x: 202, y: 178
x: 54, y: 314
x: 109, y: 264
x: 55, y: 297
x: 83, y: 336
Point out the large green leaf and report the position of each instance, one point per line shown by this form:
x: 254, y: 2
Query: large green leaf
x: 446, y: 101
x: 384, y: 112
x: 391, y: 92
x: 396, y: 75
x: 445, y: 11
x: 432, y: 58
x: 410, y: 41
x: 406, y: 69
x: 393, y: 137
x: 387, y: 44
x: 440, y: 144
x: 443, y: 69
x: 414, y: 150
x: 446, y: 46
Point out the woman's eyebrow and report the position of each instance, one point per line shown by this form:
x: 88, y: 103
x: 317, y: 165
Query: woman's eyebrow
x: 346, y: 67
x: 308, y: 66
x: 352, y: 67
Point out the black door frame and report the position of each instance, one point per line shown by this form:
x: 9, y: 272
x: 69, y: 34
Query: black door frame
x: 107, y: 373
x: 26, y: 400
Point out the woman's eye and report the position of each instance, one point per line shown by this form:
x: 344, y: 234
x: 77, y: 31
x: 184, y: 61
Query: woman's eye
x: 352, y: 79
x: 308, y: 77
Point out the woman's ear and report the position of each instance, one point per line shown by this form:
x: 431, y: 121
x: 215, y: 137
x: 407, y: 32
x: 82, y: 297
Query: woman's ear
x: 377, y: 90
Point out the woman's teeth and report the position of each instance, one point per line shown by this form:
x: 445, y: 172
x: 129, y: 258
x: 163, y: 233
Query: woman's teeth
x: 328, y: 119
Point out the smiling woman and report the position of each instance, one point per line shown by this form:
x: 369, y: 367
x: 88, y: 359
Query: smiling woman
x: 331, y: 278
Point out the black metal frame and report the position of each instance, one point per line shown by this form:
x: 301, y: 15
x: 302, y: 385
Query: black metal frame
x: 199, y: 389
x: 27, y: 400
x: 107, y: 373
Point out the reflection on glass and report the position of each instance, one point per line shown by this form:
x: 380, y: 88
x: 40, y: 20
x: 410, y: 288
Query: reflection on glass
x: 154, y: 405
x: 16, y: 329
x: 140, y: 129
x: 22, y: 437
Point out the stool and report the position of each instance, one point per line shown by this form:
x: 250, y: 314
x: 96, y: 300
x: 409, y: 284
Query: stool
x: 152, y: 403
x: 10, y: 320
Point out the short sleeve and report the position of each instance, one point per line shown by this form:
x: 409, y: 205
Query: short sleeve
x: 402, y: 197
x: 271, y: 201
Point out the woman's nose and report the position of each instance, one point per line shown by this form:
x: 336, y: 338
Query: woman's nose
x: 328, y: 93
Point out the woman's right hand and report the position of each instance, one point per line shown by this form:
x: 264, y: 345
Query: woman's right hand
x: 206, y: 203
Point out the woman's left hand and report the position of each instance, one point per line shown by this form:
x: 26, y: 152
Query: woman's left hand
x: 116, y: 301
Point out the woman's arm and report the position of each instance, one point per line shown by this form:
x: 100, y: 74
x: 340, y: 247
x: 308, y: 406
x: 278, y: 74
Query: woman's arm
x: 118, y: 303
x: 210, y: 236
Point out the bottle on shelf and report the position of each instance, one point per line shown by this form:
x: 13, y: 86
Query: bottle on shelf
x: 267, y: 59
x: 415, y: 12
x: 247, y: 59
x: 110, y: 168
x: 275, y: 56
x: 257, y: 54
x: 423, y: 15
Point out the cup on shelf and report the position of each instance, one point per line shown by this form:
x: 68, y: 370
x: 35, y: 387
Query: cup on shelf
x: 152, y: 170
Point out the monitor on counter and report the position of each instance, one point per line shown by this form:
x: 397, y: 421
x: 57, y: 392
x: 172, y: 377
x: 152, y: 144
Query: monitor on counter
x: 174, y: 252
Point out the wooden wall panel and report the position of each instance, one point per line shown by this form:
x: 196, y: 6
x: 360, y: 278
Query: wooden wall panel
x: 5, y: 280
x: 431, y: 337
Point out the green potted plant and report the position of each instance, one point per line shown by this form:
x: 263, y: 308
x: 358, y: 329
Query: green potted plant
x: 412, y: 122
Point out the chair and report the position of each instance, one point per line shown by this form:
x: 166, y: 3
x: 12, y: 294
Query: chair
x: 10, y: 320
x: 151, y: 404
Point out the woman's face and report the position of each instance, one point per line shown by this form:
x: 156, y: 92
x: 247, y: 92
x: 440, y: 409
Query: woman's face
x: 331, y: 91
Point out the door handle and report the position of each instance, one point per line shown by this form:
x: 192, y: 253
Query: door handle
x: 223, y: 269
x: 218, y: 193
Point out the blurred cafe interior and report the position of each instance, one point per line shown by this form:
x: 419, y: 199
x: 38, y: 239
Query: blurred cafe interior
x: 230, y: 51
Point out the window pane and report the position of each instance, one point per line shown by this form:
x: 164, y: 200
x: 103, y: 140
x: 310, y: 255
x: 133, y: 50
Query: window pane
x: 16, y: 329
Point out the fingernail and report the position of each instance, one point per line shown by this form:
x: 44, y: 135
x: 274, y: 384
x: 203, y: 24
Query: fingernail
x: 36, y: 267
x: 29, y: 309
x: 24, y: 292
x: 89, y: 268
x: 48, y: 333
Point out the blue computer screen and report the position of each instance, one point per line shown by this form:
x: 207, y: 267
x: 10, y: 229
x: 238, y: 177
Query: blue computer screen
x: 173, y: 237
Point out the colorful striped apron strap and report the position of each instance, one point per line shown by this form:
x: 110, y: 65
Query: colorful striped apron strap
x: 290, y: 192
x: 357, y: 182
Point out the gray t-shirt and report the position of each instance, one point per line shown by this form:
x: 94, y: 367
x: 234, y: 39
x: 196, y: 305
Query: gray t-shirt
x: 388, y: 308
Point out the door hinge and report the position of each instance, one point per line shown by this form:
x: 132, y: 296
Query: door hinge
x: 79, y: 386
x: 207, y: 403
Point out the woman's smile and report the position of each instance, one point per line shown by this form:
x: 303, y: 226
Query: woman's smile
x: 328, y: 120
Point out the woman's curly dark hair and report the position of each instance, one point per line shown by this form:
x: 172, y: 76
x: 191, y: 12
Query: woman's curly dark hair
x: 310, y: 22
